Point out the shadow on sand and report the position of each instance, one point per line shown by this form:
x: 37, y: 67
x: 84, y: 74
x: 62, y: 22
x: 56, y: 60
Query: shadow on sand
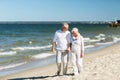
x: 40, y: 77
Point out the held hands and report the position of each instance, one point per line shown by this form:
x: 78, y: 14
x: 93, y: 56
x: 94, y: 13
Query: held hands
x: 82, y: 55
x: 68, y: 50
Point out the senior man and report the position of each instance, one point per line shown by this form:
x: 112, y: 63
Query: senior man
x: 61, y: 42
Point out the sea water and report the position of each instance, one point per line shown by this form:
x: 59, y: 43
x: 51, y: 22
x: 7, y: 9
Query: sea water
x: 28, y: 45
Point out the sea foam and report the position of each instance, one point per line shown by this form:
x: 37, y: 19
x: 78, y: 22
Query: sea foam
x: 8, y: 53
x: 89, y: 46
x: 42, y: 55
x: 31, y: 48
x: 11, y: 66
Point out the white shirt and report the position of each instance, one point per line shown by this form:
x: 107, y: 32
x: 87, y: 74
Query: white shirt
x: 77, y: 44
x: 62, y: 39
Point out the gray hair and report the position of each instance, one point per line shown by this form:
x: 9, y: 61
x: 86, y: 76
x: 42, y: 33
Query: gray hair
x: 75, y: 29
x: 65, y: 24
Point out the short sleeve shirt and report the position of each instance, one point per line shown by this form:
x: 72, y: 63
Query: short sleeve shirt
x: 62, y: 39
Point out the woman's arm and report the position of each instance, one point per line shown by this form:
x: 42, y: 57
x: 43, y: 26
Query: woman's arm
x: 82, y: 47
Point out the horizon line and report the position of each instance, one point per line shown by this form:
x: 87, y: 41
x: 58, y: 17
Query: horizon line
x: 62, y: 21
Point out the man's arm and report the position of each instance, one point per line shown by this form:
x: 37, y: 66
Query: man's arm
x: 68, y: 48
x: 54, y: 42
x: 69, y: 42
x: 53, y: 47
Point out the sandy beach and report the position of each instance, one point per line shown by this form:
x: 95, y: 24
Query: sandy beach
x: 99, y: 65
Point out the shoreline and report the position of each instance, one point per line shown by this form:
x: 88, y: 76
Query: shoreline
x: 41, y: 62
x: 29, y: 65
x: 94, y: 63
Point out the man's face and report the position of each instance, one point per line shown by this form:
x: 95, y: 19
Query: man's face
x: 64, y: 27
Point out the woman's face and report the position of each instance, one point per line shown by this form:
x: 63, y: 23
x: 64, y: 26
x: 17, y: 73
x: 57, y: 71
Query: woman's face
x: 75, y: 34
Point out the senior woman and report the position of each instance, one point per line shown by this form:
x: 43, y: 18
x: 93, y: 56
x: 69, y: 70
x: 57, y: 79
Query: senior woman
x: 77, y: 51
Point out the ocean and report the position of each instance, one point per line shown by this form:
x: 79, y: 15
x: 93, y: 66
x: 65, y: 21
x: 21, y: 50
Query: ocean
x: 28, y: 45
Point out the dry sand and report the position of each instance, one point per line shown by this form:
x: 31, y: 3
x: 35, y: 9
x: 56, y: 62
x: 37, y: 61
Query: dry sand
x: 100, y: 65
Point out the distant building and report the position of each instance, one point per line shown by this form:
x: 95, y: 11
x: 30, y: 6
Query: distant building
x: 115, y: 24
x: 118, y: 21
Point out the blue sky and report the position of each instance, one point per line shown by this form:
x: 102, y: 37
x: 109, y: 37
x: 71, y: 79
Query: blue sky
x: 59, y: 10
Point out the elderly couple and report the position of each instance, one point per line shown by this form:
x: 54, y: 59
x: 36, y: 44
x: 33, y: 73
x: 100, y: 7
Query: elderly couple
x: 66, y: 43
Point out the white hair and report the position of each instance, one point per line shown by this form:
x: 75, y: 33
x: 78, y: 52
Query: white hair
x: 65, y: 24
x: 75, y: 29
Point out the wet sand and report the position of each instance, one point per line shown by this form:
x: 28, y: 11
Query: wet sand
x: 99, y: 65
